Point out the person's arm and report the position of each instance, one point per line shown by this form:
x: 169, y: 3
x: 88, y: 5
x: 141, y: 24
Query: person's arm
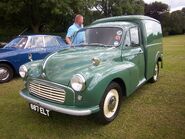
x: 70, y: 33
x: 68, y: 40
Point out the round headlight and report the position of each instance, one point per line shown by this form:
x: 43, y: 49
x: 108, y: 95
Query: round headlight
x: 78, y: 82
x: 23, y: 71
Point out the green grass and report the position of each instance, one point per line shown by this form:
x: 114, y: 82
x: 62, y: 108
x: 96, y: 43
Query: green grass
x: 153, y: 111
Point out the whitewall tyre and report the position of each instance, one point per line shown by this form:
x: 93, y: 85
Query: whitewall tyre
x: 110, y: 103
x: 156, y: 74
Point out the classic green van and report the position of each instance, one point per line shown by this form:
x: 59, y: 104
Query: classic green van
x: 109, y: 60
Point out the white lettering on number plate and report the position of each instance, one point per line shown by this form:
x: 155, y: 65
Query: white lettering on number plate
x: 39, y: 109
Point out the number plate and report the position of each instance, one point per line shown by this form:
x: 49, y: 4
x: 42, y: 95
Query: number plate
x: 39, y: 109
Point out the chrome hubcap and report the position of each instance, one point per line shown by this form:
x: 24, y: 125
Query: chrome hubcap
x: 4, y: 74
x: 111, y: 103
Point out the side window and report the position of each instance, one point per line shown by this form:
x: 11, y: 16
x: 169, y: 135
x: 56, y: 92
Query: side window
x: 51, y: 41
x: 22, y: 42
x: 79, y: 37
x: 127, y: 40
x: 153, y: 32
x: 134, y: 36
x: 37, y: 42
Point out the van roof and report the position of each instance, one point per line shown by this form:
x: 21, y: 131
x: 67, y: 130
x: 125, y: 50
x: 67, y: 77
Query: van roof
x: 112, y: 24
x: 131, y: 18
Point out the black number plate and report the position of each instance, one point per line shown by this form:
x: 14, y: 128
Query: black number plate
x: 39, y: 109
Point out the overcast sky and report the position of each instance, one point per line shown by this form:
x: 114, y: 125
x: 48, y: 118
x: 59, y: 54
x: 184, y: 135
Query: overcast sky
x: 174, y: 4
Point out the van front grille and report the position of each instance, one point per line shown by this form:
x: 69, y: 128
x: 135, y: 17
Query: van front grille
x: 47, y: 91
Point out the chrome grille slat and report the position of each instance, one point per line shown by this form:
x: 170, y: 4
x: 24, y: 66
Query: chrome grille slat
x: 52, y: 97
x: 43, y: 92
x: 44, y: 86
x: 47, y: 91
x: 48, y: 95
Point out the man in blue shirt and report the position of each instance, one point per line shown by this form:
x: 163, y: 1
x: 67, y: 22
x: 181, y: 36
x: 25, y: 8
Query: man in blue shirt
x: 78, y: 24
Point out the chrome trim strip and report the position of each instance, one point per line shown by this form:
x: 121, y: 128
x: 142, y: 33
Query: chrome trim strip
x: 46, y: 87
x: 153, y: 44
x: 46, y: 93
x: 49, y: 97
x: 50, y: 91
x: 82, y: 112
x: 141, y: 82
x: 49, y: 82
x: 47, y: 60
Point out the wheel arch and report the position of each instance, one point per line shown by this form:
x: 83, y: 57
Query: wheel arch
x: 122, y: 85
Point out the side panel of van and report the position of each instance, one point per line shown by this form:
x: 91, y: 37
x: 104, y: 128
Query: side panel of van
x: 153, y: 42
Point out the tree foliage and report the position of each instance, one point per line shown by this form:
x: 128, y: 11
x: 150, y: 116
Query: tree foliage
x: 155, y: 9
x: 57, y: 15
x: 165, y: 21
x: 119, y: 7
x: 36, y: 13
x: 177, y: 22
x: 172, y: 23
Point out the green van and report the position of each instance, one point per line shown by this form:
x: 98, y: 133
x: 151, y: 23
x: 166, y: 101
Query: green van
x: 109, y: 60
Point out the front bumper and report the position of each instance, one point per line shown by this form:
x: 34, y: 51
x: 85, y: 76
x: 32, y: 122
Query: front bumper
x: 71, y: 110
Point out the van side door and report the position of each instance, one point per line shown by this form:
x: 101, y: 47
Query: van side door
x: 133, y: 51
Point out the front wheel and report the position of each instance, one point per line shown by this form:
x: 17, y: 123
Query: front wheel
x: 156, y: 74
x: 6, y: 73
x: 110, y: 103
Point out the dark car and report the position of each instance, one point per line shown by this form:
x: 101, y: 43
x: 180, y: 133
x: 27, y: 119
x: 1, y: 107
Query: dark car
x: 22, y: 49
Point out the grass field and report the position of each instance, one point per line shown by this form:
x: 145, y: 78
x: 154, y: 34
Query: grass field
x: 155, y: 111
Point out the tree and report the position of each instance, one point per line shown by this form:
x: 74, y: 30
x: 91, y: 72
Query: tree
x: 177, y: 22
x: 57, y: 15
x: 119, y: 7
x: 36, y: 13
x: 156, y: 9
x: 183, y: 13
x: 165, y: 22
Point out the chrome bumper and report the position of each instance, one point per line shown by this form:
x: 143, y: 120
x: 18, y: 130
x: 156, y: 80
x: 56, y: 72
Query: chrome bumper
x: 70, y: 111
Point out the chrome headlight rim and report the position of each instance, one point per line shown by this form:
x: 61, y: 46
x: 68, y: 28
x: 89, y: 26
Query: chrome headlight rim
x: 23, y: 70
x: 78, y: 82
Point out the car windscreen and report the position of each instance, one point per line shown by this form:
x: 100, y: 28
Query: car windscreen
x: 36, y: 42
x: 19, y: 42
x: 105, y: 36
x: 51, y: 41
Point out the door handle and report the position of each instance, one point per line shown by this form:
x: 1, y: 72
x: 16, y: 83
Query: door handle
x: 140, y: 51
